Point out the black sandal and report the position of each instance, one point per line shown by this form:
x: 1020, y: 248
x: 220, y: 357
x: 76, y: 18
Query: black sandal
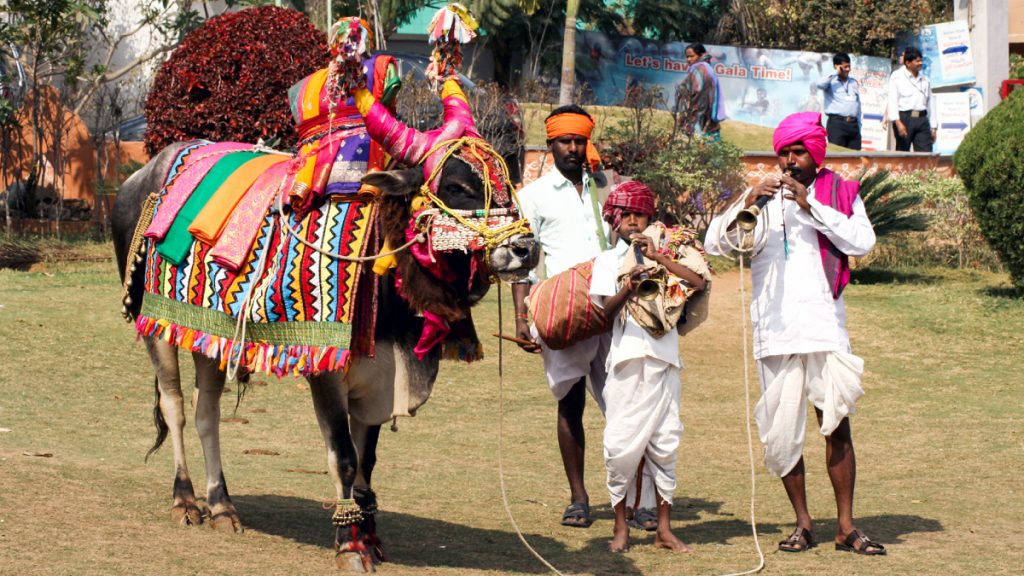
x: 801, y: 540
x: 867, y: 547
x: 644, y: 519
x: 577, y: 515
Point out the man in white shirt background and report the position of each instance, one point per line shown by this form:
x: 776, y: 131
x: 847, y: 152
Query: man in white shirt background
x: 812, y: 222
x: 911, y: 104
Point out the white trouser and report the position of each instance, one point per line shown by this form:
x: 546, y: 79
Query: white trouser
x: 642, y: 411
x: 830, y: 380
x: 565, y: 367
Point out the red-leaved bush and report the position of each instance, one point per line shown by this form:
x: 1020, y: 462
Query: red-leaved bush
x: 229, y: 79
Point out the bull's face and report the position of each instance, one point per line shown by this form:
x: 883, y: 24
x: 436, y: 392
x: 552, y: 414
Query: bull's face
x: 515, y: 252
x: 474, y: 244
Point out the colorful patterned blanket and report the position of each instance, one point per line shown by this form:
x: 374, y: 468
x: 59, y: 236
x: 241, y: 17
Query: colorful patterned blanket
x: 287, y: 308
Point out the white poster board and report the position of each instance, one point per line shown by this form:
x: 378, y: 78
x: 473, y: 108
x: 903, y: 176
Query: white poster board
x: 953, y: 112
x: 976, y: 94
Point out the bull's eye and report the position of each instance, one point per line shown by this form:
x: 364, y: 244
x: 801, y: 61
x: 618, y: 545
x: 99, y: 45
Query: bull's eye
x: 459, y: 195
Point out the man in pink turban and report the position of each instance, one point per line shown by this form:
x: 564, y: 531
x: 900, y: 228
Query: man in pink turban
x: 810, y: 222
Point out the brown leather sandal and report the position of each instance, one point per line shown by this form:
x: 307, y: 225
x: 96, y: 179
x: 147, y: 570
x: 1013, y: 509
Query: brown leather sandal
x: 801, y: 540
x: 866, y: 547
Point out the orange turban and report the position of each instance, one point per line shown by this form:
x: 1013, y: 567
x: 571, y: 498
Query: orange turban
x: 577, y: 125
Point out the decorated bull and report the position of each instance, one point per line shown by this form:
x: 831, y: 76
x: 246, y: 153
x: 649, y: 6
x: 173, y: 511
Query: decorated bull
x: 315, y: 263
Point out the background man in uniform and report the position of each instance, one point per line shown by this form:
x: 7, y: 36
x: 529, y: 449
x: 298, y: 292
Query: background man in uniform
x: 842, y: 104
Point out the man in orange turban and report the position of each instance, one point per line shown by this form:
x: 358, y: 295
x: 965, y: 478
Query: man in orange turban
x: 564, y: 208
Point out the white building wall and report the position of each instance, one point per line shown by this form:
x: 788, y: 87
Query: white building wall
x: 988, y: 22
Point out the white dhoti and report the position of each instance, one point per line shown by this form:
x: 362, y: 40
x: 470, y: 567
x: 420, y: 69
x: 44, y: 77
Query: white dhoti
x: 830, y: 380
x: 642, y: 413
x: 565, y: 367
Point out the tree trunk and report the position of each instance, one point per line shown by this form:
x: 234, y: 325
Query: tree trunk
x: 569, y: 54
x: 316, y: 11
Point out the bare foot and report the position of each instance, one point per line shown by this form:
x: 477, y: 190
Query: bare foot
x: 667, y: 540
x: 620, y: 539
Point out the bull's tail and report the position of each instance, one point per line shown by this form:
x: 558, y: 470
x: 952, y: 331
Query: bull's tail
x: 158, y: 421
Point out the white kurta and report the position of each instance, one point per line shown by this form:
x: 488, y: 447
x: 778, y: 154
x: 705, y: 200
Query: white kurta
x: 564, y: 224
x: 563, y: 220
x: 800, y: 337
x: 641, y: 394
x: 792, y: 309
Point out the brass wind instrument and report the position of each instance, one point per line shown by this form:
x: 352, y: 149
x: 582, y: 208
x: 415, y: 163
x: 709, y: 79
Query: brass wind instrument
x: 747, y: 218
x: 648, y: 288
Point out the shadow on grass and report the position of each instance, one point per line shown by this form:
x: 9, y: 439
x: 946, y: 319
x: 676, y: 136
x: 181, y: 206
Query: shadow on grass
x: 1007, y: 292
x: 432, y: 542
x: 885, y: 529
x: 886, y: 276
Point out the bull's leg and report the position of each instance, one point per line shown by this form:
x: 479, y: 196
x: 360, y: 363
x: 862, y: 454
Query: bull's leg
x: 365, y: 439
x: 210, y: 386
x: 164, y: 357
x: 330, y: 400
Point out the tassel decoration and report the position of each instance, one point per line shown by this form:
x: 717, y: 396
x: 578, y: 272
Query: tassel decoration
x: 451, y: 27
x: 255, y: 356
x: 350, y: 42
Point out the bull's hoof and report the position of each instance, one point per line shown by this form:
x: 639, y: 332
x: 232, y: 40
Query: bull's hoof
x: 226, y: 522
x: 359, y: 562
x: 186, y: 514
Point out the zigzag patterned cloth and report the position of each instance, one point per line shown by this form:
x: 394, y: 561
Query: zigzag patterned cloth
x: 301, y: 308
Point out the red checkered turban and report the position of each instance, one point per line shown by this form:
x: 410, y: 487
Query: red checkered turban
x: 629, y: 196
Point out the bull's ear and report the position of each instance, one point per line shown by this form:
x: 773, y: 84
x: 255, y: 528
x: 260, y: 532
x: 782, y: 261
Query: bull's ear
x: 395, y: 182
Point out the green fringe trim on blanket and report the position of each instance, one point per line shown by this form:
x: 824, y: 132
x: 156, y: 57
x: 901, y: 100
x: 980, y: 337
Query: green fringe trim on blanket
x: 300, y: 348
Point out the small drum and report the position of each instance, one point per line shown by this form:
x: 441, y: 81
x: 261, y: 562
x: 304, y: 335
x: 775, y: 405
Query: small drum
x: 562, y: 310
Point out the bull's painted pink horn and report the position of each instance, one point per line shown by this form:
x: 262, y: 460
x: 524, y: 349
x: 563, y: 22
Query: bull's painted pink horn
x: 404, y: 143
x: 456, y: 107
x: 407, y: 144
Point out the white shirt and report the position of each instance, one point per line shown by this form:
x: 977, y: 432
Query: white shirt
x: 907, y: 92
x: 563, y: 219
x: 629, y: 340
x: 792, y: 309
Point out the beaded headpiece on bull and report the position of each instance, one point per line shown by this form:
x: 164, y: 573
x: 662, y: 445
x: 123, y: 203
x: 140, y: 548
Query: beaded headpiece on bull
x: 449, y: 229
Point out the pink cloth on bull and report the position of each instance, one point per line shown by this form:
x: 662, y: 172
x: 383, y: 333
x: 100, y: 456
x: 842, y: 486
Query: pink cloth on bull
x: 435, y: 328
x: 434, y: 331
x: 803, y: 127
x: 240, y: 230
x: 408, y: 145
x: 189, y: 176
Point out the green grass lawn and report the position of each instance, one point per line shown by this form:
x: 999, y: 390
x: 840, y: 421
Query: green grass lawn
x: 938, y: 436
x: 748, y: 137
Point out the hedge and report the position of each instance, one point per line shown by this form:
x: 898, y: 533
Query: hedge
x: 229, y: 78
x: 989, y: 161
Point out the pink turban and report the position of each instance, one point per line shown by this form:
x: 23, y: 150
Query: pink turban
x: 631, y: 196
x: 803, y: 127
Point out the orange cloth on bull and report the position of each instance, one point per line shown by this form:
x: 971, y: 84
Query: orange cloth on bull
x: 579, y: 125
x: 303, y: 182
x: 209, y: 223
x: 311, y: 96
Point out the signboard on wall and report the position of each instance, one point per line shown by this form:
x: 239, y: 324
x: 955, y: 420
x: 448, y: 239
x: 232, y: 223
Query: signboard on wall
x: 759, y: 86
x: 946, y: 51
x: 976, y: 96
x: 953, y: 112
